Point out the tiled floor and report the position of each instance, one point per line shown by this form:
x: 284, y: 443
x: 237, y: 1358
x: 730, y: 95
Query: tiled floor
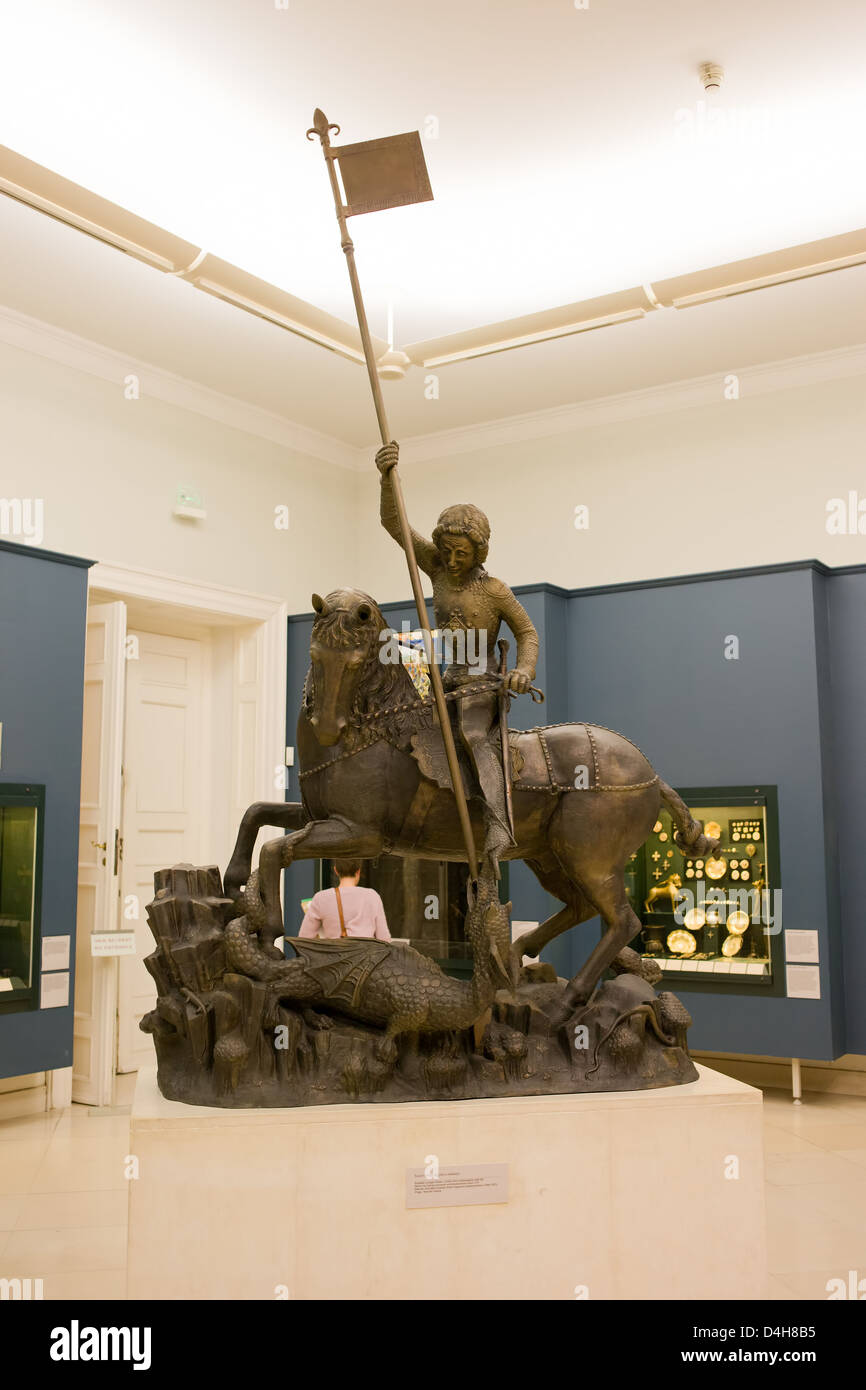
x: 63, y: 1199
x: 816, y: 1192
x: 63, y: 1196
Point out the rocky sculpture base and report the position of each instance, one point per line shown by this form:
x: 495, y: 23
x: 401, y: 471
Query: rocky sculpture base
x: 225, y: 1039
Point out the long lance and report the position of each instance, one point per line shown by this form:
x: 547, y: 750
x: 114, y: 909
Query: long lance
x: 322, y: 128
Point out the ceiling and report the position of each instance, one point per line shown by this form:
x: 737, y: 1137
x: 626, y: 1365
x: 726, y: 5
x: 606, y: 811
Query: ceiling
x: 576, y: 155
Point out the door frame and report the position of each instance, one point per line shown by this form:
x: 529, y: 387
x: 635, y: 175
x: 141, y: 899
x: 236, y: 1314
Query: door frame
x: 98, y: 1080
x: 214, y: 600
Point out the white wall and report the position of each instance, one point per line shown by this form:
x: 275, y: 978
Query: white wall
x: 108, y: 470
x: 719, y: 486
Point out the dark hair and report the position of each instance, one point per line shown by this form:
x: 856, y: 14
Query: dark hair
x: 346, y: 868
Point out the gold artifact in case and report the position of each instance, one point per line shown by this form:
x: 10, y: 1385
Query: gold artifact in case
x: 709, y: 918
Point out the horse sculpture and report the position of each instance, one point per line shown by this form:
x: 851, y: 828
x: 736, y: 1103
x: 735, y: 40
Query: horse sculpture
x: 374, y: 781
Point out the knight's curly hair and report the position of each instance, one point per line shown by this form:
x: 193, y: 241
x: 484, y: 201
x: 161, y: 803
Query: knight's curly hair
x: 465, y: 520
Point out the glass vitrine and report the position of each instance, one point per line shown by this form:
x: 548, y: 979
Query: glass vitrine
x: 713, y: 920
x: 21, y: 820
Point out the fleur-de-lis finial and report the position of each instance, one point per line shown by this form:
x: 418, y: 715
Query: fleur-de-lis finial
x: 321, y: 127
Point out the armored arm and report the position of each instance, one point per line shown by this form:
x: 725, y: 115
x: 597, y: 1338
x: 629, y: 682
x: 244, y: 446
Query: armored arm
x: 426, y: 553
x: 517, y: 618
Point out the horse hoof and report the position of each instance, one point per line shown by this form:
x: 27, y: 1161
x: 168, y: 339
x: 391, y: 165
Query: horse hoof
x: 566, y: 1010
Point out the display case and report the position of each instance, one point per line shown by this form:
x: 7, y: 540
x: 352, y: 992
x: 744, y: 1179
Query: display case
x: 714, y: 920
x: 425, y: 904
x: 21, y: 821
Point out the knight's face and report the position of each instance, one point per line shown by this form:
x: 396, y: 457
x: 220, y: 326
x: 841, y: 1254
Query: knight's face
x: 458, y: 556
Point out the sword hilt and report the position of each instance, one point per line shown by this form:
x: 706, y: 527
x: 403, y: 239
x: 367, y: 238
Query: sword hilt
x: 502, y: 646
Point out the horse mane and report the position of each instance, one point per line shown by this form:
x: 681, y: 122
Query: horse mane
x: 381, y: 684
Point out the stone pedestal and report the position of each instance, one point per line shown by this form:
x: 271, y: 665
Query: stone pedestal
x: 622, y: 1195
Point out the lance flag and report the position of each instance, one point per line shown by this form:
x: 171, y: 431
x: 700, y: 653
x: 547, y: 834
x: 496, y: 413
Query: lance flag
x: 386, y: 173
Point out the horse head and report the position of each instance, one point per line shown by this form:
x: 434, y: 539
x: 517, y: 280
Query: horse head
x: 345, y: 639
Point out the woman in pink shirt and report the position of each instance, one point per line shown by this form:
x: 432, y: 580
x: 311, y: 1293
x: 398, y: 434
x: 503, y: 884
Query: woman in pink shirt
x: 347, y: 910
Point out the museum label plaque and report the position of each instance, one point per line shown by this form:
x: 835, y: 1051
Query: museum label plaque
x: 458, y: 1185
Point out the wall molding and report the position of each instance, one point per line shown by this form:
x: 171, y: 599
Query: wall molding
x: 664, y: 581
x: 21, y: 548
x: 58, y: 345
x: 760, y: 380
x: 185, y: 593
x: 774, y: 1072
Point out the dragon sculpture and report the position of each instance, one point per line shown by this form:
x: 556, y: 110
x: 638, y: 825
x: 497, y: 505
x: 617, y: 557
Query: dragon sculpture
x: 390, y: 985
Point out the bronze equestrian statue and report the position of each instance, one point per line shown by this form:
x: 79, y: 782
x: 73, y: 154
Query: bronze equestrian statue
x: 238, y: 1024
x: 374, y: 781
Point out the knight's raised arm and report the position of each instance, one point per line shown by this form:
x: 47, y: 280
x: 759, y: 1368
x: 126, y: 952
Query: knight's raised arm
x: 425, y: 551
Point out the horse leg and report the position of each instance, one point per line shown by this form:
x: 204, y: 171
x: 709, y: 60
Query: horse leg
x: 287, y: 815
x: 592, y: 841
x: 552, y: 877
x: 318, y: 839
x: 621, y: 923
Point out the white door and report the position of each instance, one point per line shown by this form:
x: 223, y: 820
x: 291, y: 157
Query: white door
x: 165, y: 796
x: 98, y: 881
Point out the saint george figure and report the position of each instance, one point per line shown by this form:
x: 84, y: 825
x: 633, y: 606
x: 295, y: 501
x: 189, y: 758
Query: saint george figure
x: 471, y: 604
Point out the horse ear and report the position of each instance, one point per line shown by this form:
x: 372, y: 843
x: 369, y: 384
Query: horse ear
x: 319, y: 605
x: 365, y: 612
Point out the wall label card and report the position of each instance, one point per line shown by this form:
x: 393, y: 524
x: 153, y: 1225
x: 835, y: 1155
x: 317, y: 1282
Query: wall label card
x: 112, y: 943
x: 55, y: 990
x: 458, y: 1185
x: 55, y: 953
x: 802, y: 946
x: 804, y: 982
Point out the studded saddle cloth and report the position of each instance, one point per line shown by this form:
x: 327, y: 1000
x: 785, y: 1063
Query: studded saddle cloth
x: 553, y: 758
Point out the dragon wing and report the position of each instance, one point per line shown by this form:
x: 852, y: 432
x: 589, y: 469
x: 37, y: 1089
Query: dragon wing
x: 340, y: 967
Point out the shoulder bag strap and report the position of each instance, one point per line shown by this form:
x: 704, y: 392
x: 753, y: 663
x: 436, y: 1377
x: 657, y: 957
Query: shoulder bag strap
x: 343, y: 931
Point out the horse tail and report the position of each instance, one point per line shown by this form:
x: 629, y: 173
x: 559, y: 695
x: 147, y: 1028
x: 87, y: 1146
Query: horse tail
x: 689, y: 837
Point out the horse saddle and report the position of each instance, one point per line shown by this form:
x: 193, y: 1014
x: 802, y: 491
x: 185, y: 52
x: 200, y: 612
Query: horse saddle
x: 428, y: 750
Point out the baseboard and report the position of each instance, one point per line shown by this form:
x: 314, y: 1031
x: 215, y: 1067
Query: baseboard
x: 16, y: 1104
x: 847, y: 1076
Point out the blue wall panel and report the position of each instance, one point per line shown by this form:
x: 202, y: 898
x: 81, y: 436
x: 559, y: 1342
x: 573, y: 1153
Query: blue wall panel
x: 650, y: 663
x: 43, y: 608
x: 847, y: 627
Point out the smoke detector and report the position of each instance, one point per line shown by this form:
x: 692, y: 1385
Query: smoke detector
x: 712, y: 75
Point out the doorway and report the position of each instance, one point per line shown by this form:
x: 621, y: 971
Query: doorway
x: 184, y: 727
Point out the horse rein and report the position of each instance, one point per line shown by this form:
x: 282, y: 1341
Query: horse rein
x: 462, y: 692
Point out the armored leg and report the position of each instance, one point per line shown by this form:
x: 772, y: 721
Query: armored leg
x: 475, y: 718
